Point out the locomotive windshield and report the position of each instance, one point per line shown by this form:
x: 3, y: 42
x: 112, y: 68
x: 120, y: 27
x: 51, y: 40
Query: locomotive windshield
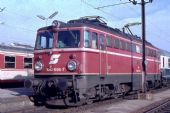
x: 44, y: 40
x: 68, y: 39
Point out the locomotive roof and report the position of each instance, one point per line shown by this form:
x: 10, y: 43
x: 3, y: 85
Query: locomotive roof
x: 16, y: 49
x: 98, y: 24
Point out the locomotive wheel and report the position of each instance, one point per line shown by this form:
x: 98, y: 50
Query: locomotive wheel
x: 115, y: 96
x: 39, y: 100
x: 67, y: 102
x: 89, y: 101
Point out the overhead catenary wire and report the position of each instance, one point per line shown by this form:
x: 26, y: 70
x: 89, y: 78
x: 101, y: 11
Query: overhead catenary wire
x: 7, y: 12
x: 92, y: 6
x: 21, y: 15
x: 155, y: 26
x: 99, y: 8
x: 109, y: 14
x: 112, y: 5
x: 19, y: 27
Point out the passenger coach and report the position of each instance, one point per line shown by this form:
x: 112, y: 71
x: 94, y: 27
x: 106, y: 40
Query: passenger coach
x: 85, y: 60
x: 165, y: 67
x: 16, y: 63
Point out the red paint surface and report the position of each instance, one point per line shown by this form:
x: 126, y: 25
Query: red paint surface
x: 19, y: 62
x: 1, y: 61
x: 91, y: 62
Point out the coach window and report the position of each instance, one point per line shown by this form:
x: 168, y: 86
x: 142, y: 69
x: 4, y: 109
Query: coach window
x: 108, y: 41
x: 168, y: 62
x: 102, y: 42
x: 94, y: 40
x: 87, y: 39
x: 28, y: 63
x: 9, y: 62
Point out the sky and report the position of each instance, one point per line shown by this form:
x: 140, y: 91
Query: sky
x: 21, y: 21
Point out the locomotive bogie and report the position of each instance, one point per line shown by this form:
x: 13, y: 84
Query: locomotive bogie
x: 85, y: 88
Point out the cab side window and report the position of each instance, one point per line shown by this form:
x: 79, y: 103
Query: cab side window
x: 134, y: 48
x: 94, y: 40
x: 108, y: 41
x: 116, y: 43
x: 87, y: 39
x: 102, y: 42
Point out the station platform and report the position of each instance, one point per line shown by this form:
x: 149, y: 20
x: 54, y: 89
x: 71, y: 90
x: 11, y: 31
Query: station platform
x: 14, y: 99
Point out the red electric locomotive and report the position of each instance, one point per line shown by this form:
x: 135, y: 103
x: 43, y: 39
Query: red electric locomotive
x: 85, y: 60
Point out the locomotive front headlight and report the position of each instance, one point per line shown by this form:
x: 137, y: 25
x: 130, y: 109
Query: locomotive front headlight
x: 71, y: 65
x: 38, y: 66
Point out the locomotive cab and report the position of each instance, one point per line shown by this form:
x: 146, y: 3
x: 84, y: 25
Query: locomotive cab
x: 59, y: 60
x: 52, y: 46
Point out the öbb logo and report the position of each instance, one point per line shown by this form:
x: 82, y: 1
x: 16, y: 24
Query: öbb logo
x: 54, y: 59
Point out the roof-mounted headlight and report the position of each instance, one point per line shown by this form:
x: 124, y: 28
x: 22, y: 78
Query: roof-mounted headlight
x: 38, y: 66
x: 72, y: 65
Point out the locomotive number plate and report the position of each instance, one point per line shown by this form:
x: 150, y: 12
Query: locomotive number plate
x: 56, y: 69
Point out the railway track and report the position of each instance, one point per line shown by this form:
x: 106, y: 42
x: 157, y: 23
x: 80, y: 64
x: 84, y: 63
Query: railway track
x: 80, y: 109
x: 161, y: 108
x: 61, y: 109
x: 84, y: 108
